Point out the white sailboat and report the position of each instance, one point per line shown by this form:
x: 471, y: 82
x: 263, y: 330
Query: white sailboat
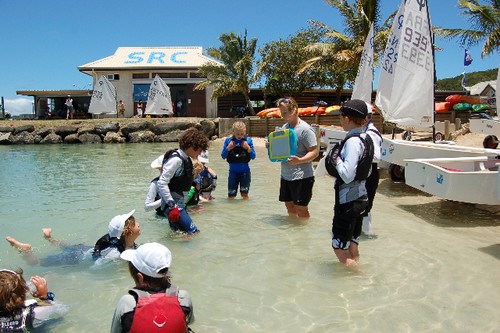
x: 405, y: 96
x: 103, y: 99
x: 159, y: 99
x: 363, y: 85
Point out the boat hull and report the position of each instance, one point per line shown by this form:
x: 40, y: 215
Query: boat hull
x: 465, y: 179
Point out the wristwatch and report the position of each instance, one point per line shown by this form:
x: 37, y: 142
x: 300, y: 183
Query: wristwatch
x: 50, y: 297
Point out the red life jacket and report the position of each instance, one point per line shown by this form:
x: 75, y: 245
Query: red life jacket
x: 158, y: 313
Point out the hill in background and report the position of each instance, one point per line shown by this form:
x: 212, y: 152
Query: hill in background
x: 472, y: 78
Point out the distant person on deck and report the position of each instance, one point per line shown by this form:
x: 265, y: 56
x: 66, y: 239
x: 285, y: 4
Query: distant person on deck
x: 69, y: 107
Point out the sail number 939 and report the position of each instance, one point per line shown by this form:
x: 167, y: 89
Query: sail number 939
x: 415, y: 48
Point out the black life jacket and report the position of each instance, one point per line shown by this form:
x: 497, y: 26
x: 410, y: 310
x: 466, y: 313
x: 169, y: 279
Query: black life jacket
x: 21, y: 321
x: 364, y: 164
x: 105, y: 242
x: 182, y: 182
x: 238, y: 154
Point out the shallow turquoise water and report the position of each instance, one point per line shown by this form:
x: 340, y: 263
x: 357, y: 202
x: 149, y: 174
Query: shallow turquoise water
x: 434, y: 265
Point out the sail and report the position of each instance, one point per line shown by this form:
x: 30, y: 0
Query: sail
x: 103, y: 97
x: 363, y: 85
x: 405, y: 93
x: 159, y: 100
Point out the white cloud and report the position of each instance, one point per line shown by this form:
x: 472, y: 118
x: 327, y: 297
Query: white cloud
x: 19, y: 105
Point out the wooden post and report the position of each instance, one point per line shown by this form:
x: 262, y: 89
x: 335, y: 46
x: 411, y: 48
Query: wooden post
x: 446, y: 129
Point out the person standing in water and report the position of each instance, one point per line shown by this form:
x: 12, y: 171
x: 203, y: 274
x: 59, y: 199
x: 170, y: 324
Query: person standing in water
x: 176, y: 178
x: 374, y: 177
x: 238, y: 150
x: 297, y: 173
x: 350, y: 163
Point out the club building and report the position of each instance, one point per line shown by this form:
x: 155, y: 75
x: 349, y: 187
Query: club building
x: 131, y: 71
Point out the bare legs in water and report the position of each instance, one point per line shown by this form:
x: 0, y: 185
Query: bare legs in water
x: 26, y: 248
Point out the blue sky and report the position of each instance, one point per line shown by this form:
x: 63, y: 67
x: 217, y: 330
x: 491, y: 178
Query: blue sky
x: 43, y: 42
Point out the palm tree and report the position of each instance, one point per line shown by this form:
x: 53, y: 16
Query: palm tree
x: 345, y: 49
x: 485, y: 26
x: 236, y: 75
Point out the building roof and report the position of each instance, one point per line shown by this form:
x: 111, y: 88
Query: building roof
x: 171, y: 57
x: 54, y: 93
x: 479, y: 88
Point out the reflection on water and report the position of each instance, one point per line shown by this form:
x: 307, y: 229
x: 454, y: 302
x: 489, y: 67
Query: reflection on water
x: 252, y: 268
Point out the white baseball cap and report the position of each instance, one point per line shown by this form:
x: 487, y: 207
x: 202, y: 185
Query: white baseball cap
x: 203, y: 157
x: 116, y: 225
x: 149, y: 258
x: 157, y: 163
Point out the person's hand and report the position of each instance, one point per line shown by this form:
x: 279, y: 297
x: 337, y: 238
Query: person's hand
x: 41, y: 287
x: 174, y: 214
x: 293, y: 160
x: 231, y: 145
x: 245, y: 146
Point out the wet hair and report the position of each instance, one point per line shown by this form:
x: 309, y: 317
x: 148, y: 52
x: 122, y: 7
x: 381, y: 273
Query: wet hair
x: 193, y: 138
x: 148, y: 281
x: 127, y: 229
x: 288, y: 102
x: 238, y: 126
x: 13, y: 291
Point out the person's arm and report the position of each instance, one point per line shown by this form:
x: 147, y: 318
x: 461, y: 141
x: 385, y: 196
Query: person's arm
x: 310, y: 141
x: 186, y: 305
x: 252, y: 152
x: 126, y: 305
x: 168, y: 172
x: 347, y: 161
x: 150, y: 202
x: 225, y: 149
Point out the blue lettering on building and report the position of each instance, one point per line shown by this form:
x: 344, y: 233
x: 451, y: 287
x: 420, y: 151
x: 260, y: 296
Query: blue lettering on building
x: 156, y: 56
x: 173, y: 57
x: 135, y: 58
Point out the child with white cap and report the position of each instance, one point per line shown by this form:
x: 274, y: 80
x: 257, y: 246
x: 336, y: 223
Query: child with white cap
x: 207, y: 179
x: 154, y: 302
x: 123, y: 230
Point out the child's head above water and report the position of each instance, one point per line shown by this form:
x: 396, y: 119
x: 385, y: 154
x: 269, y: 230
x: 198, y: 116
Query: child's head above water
x: 121, y: 225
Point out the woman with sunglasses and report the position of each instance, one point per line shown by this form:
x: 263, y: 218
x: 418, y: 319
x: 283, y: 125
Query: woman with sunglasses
x: 297, y: 173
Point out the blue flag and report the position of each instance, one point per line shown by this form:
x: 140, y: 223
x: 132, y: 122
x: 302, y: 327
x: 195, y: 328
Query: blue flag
x: 467, y: 58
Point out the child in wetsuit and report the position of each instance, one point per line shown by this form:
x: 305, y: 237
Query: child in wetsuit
x: 238, y: 150
x: 17, y: 313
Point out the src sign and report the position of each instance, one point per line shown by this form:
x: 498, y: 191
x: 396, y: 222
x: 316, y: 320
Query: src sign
x: 155, y: 57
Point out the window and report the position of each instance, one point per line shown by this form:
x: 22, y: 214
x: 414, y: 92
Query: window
x: 140, y: 76
x: 171, y: 75
x: 196, y: 75
x: 113, y: 77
